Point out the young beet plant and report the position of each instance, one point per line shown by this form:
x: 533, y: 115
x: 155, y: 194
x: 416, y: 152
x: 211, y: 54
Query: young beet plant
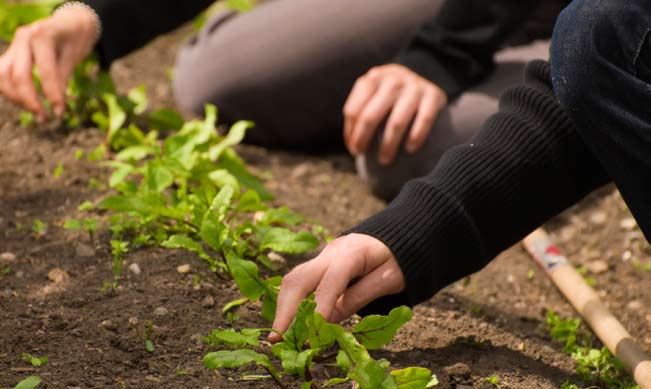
x: 311, y: 339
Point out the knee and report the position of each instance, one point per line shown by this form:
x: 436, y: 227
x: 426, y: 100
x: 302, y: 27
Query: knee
x: 204, y: 72
x: 585, y: 38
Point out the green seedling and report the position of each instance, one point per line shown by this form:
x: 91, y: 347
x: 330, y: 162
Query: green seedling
x: 34, y: 361
x: 493, y: 380
x: 596, y: 366
x: 58, y: 171
x: 30, y: 382
x: 90, y: 225
x: 311, y: 336
x: 39, y: 227
x: 118, y: 249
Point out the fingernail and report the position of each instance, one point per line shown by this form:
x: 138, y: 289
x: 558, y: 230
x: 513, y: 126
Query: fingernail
x: 382, y: 160
x: 58, y: 110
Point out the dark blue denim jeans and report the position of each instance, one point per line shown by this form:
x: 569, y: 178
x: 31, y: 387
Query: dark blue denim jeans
x: 601, y: 72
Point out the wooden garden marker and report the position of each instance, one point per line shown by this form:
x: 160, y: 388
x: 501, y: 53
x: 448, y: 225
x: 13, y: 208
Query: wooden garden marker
x: 588, y: 304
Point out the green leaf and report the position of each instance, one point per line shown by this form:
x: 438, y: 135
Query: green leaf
x: 281, y: 216
x: 34, y: 361
x: 29, y: 383
x: 235, y: 136
x: 122, y: 170
x: 306, y: 385
x: 158, y: 177
x: 214, y: 234
x: 296, y: 363
x: 247, y: 337
x: 230, y: 161
x: 85, y: 206
x: 165, y: 119
x: 149, y: 346
x: 369, y: 374
x: 237, y: 358
x: 414, y: 378
x: 250, y: 201
x: 240, y: 5
x: 320, y: 332
x: 493, y: 380
x: 343, y: 361
x: 133, y: 153
x: 26, y: 119
x: 183, y: 241
x: 375, y: 331
x: 336, y: 381
x: 285, y: 241
x: 72, y: 224
x: 220, y: 203
x: 116, y: 116
x: 222, y: 178
x: 297, y: 333
x: 245, y: 274
x: 58, y: 171
x: 138, y: 97
x: 234, y: 304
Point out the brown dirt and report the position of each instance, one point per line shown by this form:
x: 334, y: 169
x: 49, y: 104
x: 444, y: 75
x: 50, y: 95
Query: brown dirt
x: 493, y: 324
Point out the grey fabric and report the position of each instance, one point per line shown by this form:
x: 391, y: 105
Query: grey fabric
x: 289, y: 65
x: 454, y: 125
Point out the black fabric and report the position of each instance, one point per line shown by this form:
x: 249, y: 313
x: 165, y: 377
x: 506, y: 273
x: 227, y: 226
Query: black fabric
x: 455, y: 50
x: 526, y: 165
x: 129, y: 24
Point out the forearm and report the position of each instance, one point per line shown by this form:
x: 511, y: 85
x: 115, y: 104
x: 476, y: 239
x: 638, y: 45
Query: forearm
x: 128, y: 25
x: 526, y: 165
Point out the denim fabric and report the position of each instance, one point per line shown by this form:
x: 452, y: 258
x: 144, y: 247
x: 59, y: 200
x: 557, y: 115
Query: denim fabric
x: 601, y: 72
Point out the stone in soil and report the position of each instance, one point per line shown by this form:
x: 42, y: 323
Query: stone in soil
x: 635, y: 305
x: 458, y: 371
x: 597, y: 267
x: 161, y: 311
x: 135, y: 269
x: 58, y: 276
x: 628, y: 224
x: 7, y: 257
x: 183, y: 269
x: 598, y: 217
x: 84, y: 250
x: 208, y: 302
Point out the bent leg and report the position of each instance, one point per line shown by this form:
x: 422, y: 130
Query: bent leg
x: 288, y: 65
x: 601, y: 69
x: 456, y: 123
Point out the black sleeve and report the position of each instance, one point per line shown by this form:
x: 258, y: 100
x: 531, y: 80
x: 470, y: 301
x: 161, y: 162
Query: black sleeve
x: 129, y: 24
x: 456, y: 48
x: 526, y: 165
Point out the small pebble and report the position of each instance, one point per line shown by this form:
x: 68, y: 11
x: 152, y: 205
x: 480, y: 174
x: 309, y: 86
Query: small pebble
x: 258, y: 215
x: 648, y: 318
x: 627, y: 255
x: 161, y: 311
x: 277, y: 259
x: 135, y: 269
x: 208, y: 302
x: 58, y: 276
x: 133, y: 321
x: 598, y: 218
x: 84, y: 250
x: 109, y: 325
x: 20, y: 274
x: 183, y: 269
x: 597, y: 267
x: 458, y: 370
x: 635, y: 305
x: 7, y: 257
x: 628, y: 224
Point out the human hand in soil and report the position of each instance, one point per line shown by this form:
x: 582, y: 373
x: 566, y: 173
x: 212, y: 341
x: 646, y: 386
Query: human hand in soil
x: 55, y: 45
x: 352, y: 257
x: 396, y: 92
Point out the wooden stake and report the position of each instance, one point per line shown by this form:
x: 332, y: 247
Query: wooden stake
x: 588, y: 304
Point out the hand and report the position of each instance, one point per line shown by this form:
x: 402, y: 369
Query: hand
x: 354, y: 256
x: 402, y: 95
x: 55, y: 45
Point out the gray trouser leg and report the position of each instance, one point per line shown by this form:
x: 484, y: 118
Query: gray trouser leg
x: 454, y: 125
x: 289, y: 65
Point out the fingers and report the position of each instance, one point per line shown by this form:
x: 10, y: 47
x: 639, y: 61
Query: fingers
x: 401, y: 115
x: 46, y: 63
x: 6, y: 85
x: 296, y: 285
x: 362, y: 91
x: 377, y: 108
x: 430, y: 105
x: 383, y: 280
x: 336, y: 279
x: 21, y: 74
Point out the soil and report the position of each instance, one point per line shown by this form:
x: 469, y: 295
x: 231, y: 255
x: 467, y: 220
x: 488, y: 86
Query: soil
x: 491, y: 324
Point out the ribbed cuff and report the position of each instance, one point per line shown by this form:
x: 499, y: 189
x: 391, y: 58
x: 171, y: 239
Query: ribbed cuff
x: 430, y: 235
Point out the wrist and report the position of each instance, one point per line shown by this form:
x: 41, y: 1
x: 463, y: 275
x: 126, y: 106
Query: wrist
x: 80, y: 15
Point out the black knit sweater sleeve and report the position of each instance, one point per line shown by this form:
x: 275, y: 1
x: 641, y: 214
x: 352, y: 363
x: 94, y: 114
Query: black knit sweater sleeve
x: 128, y: 25
x: 456, y: 48
x: 526, y: 165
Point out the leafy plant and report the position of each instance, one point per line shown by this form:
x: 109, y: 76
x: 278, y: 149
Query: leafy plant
x: 310, y: 337
x: 34, y: 361
x: 39, y: 227
x: 595, y: 366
